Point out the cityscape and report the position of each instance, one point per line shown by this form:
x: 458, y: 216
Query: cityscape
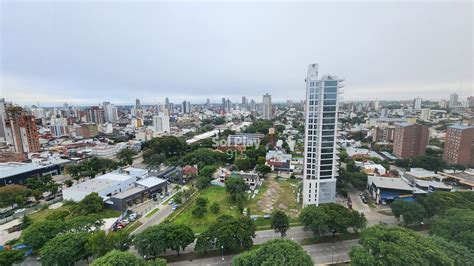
x: 141, y: 134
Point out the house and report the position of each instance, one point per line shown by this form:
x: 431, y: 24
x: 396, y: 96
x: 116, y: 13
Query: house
x: 278, y: 160
x: 386, y: 189
x: 371, y: 168
x: 252, y: 179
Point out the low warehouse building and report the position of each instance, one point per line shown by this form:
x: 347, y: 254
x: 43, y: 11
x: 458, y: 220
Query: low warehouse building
x: 386, y: 189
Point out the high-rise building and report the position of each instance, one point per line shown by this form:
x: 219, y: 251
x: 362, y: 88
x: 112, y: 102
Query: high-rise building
x: 244, y: 101
x: 443, y: 103
x: 417, y: 103
x: 137, y: 104
x: 21, y: 131
x: 383, y: 134
x: 321, y: 116
x: 267, y: 107
x: 186, y: 107
x: 167, y: 103
x: 453, y: 100
x: 110, y: 112
x: 376, y: 105
x: 425, y: 114
x: 253, y: 105
x: 59, y: 127
x: 410, y: 140
x: 223, y: 106
x: 208, y: 102
x: 161, y: 123
x: 3, y: 114
x: 459, y: 145
x: 95, y: 114
x: 470, y: 101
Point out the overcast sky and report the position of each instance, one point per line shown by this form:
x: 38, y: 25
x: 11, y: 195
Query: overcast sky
x: 88, y: 52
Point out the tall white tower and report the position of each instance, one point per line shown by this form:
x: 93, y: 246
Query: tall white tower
x: 267, y: 107
x: 321, y: 121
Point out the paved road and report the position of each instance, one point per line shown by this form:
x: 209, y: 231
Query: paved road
x: 324, y: 253
x: 373, y: 217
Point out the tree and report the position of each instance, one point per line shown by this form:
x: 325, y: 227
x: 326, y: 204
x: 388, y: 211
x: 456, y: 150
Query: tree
x: 10, y: 257
x: 394, y: 245
x: 202, y: 202
x: 438, y: 202
x: 187, y: 193
x: 13, y: 194
x: 92, y: 203
x: 25, y: 222
x: 263, y: 169
x: 65, y: 249
x: 118, y: 258
x: 199, y: 211
x: 156, y: 239
x: 227, y: 232
x: 315, y: 219
x: 85, y: 223
x: 280, y: 222
x: 58, y: 215
x: 202, y: 182
x: 98, y: 244
x: 274, y: 252
x: 236, y: 187
x: 357, y: 221
x: 455, y: 225
x: 461, y: 254
x: 126, y: 156
x: 37, y: 234
x: 68, y: 183
x: 245, y: 164
x: 203, y: 157
x: 412, y: 212
x: 178, y: 197
x: 207, y: 171
x: 215, y: 208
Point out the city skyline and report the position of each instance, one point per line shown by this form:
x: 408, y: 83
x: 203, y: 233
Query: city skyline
x: 130, y: 52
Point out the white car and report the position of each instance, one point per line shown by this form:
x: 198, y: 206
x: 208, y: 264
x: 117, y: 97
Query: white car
x: 20, y: 210
x: 125, y: 221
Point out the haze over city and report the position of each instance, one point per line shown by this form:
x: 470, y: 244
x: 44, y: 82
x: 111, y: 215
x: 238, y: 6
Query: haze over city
x: 88, y: 52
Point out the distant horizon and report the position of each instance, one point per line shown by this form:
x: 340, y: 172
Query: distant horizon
x: 87, y: 52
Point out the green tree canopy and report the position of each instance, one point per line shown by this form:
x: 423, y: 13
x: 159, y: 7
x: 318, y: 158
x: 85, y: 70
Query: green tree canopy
x: 156, y: 239
x: 438, y: 202
x: 280, y: 222
x: 236, y: 187
x: 65, y: 249
x: 37, y: 234
x: 92, y: 203
x: 275, y: 252
x: 203, y: 157
x: 118, y: 258
x: 13, y: 194
x: 455, y: 225
x: 126, y: 156
x: 10, y: 257
x: 228, y: 232
x: 394, y: 245
x: 412, y: 212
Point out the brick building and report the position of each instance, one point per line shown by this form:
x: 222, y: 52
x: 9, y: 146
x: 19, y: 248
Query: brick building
x: 21, y: 131
x: 410, y: 140
x: 459, y: 145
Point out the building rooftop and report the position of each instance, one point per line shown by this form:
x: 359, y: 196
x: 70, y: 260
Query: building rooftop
x: 93, y: 185
x: 460, y: 126
x: 150, y: 182
x: 14, y: 168
x: 421, y: 173
x: 389, y: 183
x: 128, y: 193
x: 114, y: 176
x: 436, y: 185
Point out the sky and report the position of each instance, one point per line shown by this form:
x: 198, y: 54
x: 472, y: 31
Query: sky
x: 87, y: 52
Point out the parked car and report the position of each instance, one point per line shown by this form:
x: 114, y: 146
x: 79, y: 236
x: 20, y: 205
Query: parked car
x: 133, y: 216
x: 20, y: 210
x: 125, y: 221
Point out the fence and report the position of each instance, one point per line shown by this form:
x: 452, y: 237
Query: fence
x: 28, y: 211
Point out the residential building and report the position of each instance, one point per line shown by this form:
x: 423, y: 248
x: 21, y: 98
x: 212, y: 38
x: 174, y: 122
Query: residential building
x: 267, y: 107
x: 459, y: 145
x: 59, y: 127
x: 3, y: 114
x: 453, y: 100
x: 21, y: 131
x: 425, y: 114
x: 470, y: 101
x: 186, y: 107
x: 138, y: 106
x: 383, y: 134
x: 161, y: 123
x: 320, y: 163
x: 417, y: 103
x: 410, y: 140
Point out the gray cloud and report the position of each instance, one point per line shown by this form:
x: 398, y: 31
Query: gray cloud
x: 87, y: 52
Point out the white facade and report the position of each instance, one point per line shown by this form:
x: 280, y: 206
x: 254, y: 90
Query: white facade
x: 417, y: 103
x: 453, y: 100
x: 161, y: 123
x: 320, y: 162
x: 267, y: 107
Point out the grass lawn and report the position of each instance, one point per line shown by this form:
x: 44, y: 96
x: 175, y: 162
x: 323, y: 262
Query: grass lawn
x: 286, y: 200
x: 133, y: 226
x: 213, y: 194
x: 152, y: 212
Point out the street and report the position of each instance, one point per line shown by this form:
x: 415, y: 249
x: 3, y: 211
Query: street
x: 324, y: 253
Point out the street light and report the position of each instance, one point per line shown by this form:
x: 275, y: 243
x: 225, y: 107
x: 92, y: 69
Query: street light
x: 222, y: 248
